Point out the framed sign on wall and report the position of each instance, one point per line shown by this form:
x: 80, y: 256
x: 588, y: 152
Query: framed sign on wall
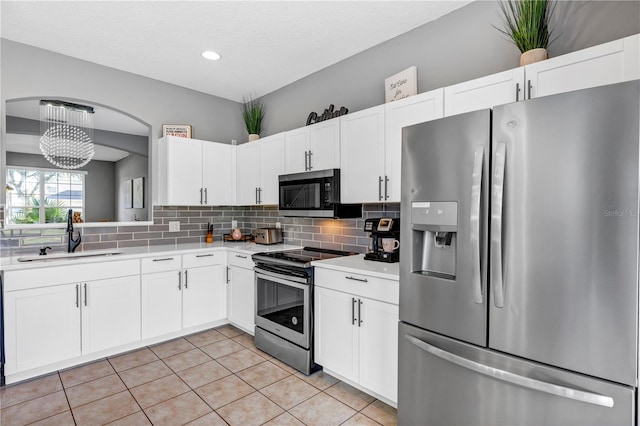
x: 401, y: 85
x: 179, y: 130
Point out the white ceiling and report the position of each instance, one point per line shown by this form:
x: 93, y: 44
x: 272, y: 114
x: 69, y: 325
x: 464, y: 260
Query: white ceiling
x: 265, y: 45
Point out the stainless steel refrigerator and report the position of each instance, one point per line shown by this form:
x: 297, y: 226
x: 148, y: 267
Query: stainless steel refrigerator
x: 519, y: 274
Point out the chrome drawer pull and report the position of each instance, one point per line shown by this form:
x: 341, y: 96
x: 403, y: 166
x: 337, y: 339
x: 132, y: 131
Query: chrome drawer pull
x: 240, y: 256
x: 163, y: 259
x: 204, y: 255
x: 363, y: 280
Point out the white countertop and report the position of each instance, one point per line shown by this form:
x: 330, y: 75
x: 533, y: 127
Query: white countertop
x: 9, y: 260
x: 357, y: 264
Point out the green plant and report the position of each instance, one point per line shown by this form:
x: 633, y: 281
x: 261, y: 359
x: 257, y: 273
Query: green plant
x: 253, y: 113
x: 526, y: 22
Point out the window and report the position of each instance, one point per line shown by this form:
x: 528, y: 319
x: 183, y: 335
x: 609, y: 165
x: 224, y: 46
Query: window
x: 42, y: 195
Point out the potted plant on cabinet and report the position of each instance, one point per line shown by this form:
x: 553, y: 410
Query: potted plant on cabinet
x: 252, y: 113
x: 526, y: 22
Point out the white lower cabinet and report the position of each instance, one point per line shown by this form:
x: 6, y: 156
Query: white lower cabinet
x: 110, y: 313
x: 241, y: 291
x: 356, y: 337
x: 188, y: 291
x: 47, y: 321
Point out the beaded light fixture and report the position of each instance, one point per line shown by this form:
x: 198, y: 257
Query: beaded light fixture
x: 67, y: 133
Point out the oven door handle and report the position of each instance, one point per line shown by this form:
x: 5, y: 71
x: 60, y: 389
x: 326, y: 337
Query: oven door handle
x: 296, y: 282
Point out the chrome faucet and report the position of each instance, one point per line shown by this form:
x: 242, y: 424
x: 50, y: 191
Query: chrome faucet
x: 71, y: 243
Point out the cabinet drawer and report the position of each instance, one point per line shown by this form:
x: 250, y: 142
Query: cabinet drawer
x: 161, y: 263
x: 242, y: 260
x: 209, y: 258
x: 56, y: 275
x: 362, y: 285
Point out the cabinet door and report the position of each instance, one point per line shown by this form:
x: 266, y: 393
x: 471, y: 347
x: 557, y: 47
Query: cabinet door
x: 362, y: 156
x: 204, y: 297
x: 41, y: 326
x: 607, y: 63
x: 379, y: 347
x: 486, y: 92
x: 324, y: 145
x: 184, y: 171
x: 110, y: 313
x: 161, y: 303
x: 398, y: 114
x: 248, y: 173
x: 296, y: 146
x: 217, y: 169
x: 335, y: 332
x: 241, y: 298
x: 271, y: 166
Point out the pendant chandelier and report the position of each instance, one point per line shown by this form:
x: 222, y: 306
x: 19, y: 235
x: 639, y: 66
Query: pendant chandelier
x: 67, y: 133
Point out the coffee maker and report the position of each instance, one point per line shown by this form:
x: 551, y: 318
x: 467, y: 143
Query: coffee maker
x: 385, y: 239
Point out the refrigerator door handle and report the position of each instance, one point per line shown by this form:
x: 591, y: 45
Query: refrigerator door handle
x: 476, y: 190
x: 496, y: 225
x: 516, y: 379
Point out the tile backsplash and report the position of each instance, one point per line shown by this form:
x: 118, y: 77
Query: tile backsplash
x: 339, y: 234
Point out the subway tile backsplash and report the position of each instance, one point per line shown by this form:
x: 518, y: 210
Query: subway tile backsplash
x: 339, y: 234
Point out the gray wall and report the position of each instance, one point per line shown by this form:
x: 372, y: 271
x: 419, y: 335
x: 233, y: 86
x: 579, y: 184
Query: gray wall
x: 131, y: 167
x: 460, y: 46
x: 100, y: 192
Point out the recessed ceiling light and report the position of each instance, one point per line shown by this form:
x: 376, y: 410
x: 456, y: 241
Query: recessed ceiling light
x: 211, y: 55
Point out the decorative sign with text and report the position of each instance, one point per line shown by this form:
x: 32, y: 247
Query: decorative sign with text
x: 179, y: 130
x: 401, y: 85
x: 328, y: 114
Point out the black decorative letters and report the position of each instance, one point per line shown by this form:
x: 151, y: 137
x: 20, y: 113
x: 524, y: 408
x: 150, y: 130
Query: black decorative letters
x: 326, y: 115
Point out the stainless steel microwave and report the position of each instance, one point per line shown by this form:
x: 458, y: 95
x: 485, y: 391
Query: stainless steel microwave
x: 314, y: 194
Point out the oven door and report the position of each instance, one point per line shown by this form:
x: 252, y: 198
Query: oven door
x: 283, y: 306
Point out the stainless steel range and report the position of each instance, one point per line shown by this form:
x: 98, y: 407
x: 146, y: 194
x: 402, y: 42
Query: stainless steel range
x: 284, y: 304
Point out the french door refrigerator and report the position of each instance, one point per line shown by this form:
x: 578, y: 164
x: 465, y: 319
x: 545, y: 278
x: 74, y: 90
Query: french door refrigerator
x: 519, y: 274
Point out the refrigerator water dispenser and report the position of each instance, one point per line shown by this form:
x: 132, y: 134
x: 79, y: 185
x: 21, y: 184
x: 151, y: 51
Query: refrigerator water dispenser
x: 434, y: 228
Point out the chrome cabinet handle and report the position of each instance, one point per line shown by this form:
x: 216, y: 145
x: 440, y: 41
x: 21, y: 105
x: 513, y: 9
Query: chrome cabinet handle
x: 259, y: 195
x: 506, y: 376
x: 256, y: 195
x: 204, y: 255
x: 179, y: 280
x: 353, y: 311
x: 228, y: 270
x: 529, y: 89
x: 379, y: 188
x: 306, y: 164
x: 386, y: 187
x: 85, y: 294
x: 359, y: 313
x: 517, y: 92
x: 310, y: 154
x: 241, y: 256
x: 186, y: 279
x: 362, y: 280
x: 496, y: 226
x: 200, y: 195
x: 164, y: 259
x: 476, y: 191
x: 205, y: 195
x: 77, y: 296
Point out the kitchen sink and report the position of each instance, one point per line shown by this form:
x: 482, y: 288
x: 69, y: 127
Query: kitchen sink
x: 65, y: 256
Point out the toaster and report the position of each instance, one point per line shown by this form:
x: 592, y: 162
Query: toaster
x: 268, y: 235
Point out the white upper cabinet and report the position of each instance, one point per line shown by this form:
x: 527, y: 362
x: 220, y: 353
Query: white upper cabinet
x: 485, y: 92
x: 398, y: 114
x: 370, y: 149
x: 195, y: 172
x: 314, y: 147
x: 608, y: 63
x: 259, y: 164
x: 362, y: 156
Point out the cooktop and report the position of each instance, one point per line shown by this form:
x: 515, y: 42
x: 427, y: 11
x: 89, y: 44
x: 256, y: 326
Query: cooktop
x: 300, y: 258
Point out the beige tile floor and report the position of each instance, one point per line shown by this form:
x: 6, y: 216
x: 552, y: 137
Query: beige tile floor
x: 215, y: 377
